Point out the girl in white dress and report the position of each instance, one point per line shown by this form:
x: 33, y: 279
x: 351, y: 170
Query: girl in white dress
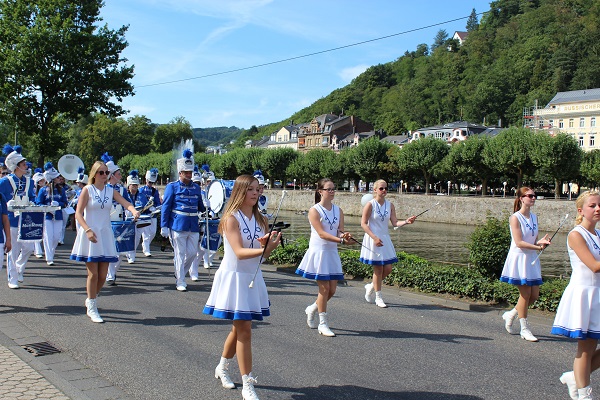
x: 245, y: 235
x: 95, y: 242
x: 578, y: 313
x: 322, y: 262
x: 518, y: 269
x: 378, y: 249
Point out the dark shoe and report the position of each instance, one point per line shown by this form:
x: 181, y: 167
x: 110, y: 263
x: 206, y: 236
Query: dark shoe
x: 111, y: 282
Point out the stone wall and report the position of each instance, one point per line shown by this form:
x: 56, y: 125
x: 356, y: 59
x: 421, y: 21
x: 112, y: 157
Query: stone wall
x: 451, y: 209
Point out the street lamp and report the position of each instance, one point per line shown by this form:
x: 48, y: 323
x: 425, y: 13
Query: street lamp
x: 401, y: 183
x: 449, y: 183
x: 294, y: 183
x: 504, y: 184
x: 570, y: 189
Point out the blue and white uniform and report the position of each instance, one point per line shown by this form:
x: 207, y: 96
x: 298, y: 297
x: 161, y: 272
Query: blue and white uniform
x: 578, y: 313
x: 139, y: 200
x: 379, y: 225
x: 181, y: 204
x: 117, y: 213
x: 53, y: 223
x: 322, y: 260
x: 149, y: 233
x: 230, y: 296
x: 518, y: 269
x: 3, y: 211
x: 18, y: 256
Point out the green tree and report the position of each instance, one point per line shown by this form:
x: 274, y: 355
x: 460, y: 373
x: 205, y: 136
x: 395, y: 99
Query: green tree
x: 440, y: 39
x: 422, y: 156
x: 56, y: 60
x: 590, y: 167
x: 510, y: 153
x: 168, y: 135
x: 139, y: 131
x: 274, y: 162
x: 369, y: 157
x: 472, y: 22
x: 106, y: 134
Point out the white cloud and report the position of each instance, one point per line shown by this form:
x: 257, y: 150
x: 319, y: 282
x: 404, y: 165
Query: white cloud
x: 347, y: 74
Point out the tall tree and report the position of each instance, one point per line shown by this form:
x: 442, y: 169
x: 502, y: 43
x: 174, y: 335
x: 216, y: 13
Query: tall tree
x: 167, y: 135
x: 510, y: 152
x: 472, y: 22
x: 422, y: 156
x: 55, y: 60
x: 440, y: 39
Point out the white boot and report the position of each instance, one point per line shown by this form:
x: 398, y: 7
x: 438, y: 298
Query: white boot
x: 311, y: 313
x: 92, y: 310
x: 585, y: 393
x: 369, y: 292
x: 379, y: 300
x: 222, y: 372
x: 509, y: 319
x: 323, y: 326
x: 525, y: 332
x: 248, y: 392
x: 568, y: 378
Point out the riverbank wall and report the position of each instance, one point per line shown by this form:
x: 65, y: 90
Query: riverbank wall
x: 464, y: 210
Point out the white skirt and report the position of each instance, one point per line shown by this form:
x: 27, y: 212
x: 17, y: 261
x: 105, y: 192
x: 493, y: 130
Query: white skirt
x: 321, y: 265
x: 374, y: 255
x: 578, y: 313
x: 104, y: 250
x: 518, y: 269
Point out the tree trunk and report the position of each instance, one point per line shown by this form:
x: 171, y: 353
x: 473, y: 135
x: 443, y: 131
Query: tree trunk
x: 557, y: 187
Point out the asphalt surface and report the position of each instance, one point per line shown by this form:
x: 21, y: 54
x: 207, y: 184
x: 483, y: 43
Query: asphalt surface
x: 157, y: 344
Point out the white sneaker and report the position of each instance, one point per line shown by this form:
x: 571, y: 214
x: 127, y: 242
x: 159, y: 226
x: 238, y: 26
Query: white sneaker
x: 248, y: 392
x: 311, y: 316
x: 50, y: 263
x: 92, y: 311
x: 148, y: 254
x: 39, y: 255
x: 13, y: 286
x: 380, y: 303
x: 206, y: 266
x: 527, y: 335
x: 195, y: 278
x: 182, y: 288
x: 325, y: 331
x: 568, y: 378
x: 508, y: 322
x: 222, y: 372
x: 369, y: 293
x: 130, y: 260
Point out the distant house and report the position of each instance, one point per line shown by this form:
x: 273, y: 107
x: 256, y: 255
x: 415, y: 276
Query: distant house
x: 287, y: 136
x: 398, y: 140
x: 311, y: 136
x: 460, y: 36
x: 451, y: 132
x: 262, y: 142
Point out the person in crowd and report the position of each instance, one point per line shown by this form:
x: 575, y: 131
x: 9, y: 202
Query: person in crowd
x: 322, y: 262
x: 140, y: 200
x: 151, y: 192
x: 378, y: 249
x: 578, y: 313
x: 208, y: 254
x: 262, y: 200
x: 197, y: 179
x: 52, y: 194
x: 179, y: 222
x: 117, y: 212
x: 239, y: 292
x: 66, y: 211
x: 95, y: 242
x: 522, y: 266
x: 5, y: 239
x: 40, y: 182
x: 17, y: 187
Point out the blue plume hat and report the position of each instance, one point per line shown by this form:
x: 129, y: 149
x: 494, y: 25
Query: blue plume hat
x: 152, y: 175
x: 259, y: 175
x: 13, y: 156
x: 51, y: 172
x: 133, y: 177
x: 110, y: 164
x: 186, y: 163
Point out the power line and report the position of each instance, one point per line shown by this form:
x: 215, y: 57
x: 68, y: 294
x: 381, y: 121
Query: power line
x: 306, y: 55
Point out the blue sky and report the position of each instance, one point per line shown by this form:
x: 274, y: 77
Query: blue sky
x: 171, y: 40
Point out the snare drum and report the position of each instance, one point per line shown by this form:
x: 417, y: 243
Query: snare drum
x: 219, y: 192
x: 124, y: 232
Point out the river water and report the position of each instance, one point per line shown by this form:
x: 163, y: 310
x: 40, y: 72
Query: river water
x: 436, y: 242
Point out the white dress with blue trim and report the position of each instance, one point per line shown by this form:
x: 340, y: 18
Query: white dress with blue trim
x: 97, y: 217
x: 517, y: 267
x: 230, y: 296
x: 321, y: 261
x: 578, y: 313
x: 378, y: 222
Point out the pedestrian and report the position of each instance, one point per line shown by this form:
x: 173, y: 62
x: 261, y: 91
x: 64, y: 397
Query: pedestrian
x: 40, y: 182
x: 179, y: 221
x: 322, y: 262
x: 95, y: 241
x: 151, y: 192
x: 378, y: 249
x: 193, y: 271
x: 52, y: 195
x: 578, y: 313
x: 245, y: 236
x: 522, y: 266
x: 141, y: 202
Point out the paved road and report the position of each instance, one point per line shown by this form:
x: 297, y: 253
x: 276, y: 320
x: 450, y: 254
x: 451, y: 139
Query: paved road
x: 157, y: 344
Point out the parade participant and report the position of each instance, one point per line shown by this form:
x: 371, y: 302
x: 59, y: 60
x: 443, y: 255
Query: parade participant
x: 95, y: 242
x: 66, y: 216
x: 18, y: 185
x: 4, y: 246
x: 518, y: 268
x: 197, y: 178
x: 40, y: 182
x: 577, y: 315
x: 245, y: 233
x: 140, y: 201
x: 179, y: 222
x: 52, y: 195
x: 322, y: 262
x: 262, y: 200
x: 378, y: 249
x: 209, y: 254
x: 117, y: 212
x: 151, y: 192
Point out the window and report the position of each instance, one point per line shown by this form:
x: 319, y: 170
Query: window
x: 581, y: 122
x: 593, y: 122
x: 592, y: 141
x: 551, y: 123
x: 580, y: 141
x: 571, y: 123
x: 561, y: 124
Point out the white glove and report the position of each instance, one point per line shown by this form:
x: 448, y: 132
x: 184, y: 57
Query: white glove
x: 54, y: 204
x: 165, y: 232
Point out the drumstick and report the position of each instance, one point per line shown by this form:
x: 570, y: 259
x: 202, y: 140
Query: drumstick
x: 357, y: 242
x: 421, y: 213
x: 283, y: 193
x: 552, y: 237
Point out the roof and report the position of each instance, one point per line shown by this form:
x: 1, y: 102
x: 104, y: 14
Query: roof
x: 575, y: 95
x: 453, y: 125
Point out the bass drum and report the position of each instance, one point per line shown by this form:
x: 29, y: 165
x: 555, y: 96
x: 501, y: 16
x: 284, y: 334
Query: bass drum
x: 219, y: 192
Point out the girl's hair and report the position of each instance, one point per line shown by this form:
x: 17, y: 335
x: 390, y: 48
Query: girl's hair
x: 377, y: 184
x: 320, y: 185
x: 520, y: 193
x: 238, y: 195
x: 581, y: 201
x: 94, y: 170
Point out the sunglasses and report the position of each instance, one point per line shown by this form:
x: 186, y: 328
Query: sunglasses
x: 4, y: 173
x: 531, y: 196
x: 103, y: 173
x: 381, y: 189
x: 329, y: 190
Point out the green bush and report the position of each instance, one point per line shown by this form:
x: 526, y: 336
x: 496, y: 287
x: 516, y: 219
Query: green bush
x: 292, y: 253
x: 488, y: 246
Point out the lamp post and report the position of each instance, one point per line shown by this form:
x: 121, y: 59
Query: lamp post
x: 401, y: 183
x: 294, y: 183
x: 504, y: 184
x: 570, y: 188
x: 449, y: 184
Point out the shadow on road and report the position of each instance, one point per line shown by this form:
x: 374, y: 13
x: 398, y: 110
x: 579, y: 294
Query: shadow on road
x: 391, y: 334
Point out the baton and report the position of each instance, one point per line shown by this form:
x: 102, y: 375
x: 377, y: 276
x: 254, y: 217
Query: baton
x: 421, y: 213
x: 552, y: 237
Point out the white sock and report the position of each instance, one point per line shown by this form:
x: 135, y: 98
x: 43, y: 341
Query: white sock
x: 378, y: 295
x: 523, y: 322
x: 322, y: 318
x: 224, y: 361
x: 513, y: 312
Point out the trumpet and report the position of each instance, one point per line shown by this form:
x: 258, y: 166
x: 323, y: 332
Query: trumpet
x: 149, y: 204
